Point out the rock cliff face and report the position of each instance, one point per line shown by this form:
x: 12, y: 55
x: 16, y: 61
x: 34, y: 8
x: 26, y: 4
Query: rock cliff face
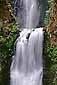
x: 52, y: 27
x: 4, y: 11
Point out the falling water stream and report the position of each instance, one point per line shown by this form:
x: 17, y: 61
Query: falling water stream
x: 27, y: 63
x: 28, y: 13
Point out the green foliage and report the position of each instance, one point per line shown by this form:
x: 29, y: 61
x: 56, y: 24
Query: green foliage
x: 47, y: 14
x: 50, y: 54
x: 52, y: 66
x: 7, y: 39
x: 46, y: 18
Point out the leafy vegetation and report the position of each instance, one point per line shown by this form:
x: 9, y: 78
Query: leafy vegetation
x: 50, y: 64
x: 50, y: 48
x: 7, y: 39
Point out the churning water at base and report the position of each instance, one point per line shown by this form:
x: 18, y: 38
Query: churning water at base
x: 27, y: 67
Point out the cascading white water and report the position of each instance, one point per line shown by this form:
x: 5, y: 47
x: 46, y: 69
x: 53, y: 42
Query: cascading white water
x: 27, y: 64
x: 27, y: 67
x: 28, y: 13
x: 32, y: 14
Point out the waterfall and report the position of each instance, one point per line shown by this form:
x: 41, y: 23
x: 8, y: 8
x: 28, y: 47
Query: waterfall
x: 28, y: 13
x: 27, y: 63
